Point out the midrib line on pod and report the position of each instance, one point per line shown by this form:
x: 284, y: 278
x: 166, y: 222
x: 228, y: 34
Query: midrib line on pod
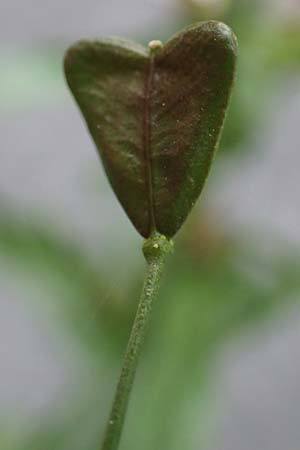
x: 147, y: 142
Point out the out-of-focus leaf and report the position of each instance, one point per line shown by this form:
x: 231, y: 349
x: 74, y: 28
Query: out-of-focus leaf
x: 206, y: 10
x: 156, y: 116
x: 282, y: 45
x: 88, y: 304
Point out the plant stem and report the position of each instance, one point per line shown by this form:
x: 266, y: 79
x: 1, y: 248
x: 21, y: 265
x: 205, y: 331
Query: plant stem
x: 155, y: 250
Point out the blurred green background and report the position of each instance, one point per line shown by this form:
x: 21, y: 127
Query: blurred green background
x: 221, y: 367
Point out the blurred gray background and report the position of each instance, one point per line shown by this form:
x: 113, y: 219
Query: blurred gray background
x: 50, y: 173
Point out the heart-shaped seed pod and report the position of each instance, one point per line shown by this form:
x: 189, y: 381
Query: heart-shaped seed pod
x: 156, y: 115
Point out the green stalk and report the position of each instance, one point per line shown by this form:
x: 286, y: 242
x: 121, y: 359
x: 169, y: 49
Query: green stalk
x: 155, y: 250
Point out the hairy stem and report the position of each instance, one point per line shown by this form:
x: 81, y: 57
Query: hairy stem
x: 155, y: 250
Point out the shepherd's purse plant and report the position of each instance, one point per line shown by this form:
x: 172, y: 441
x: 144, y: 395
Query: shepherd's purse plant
x: 155, y: 115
